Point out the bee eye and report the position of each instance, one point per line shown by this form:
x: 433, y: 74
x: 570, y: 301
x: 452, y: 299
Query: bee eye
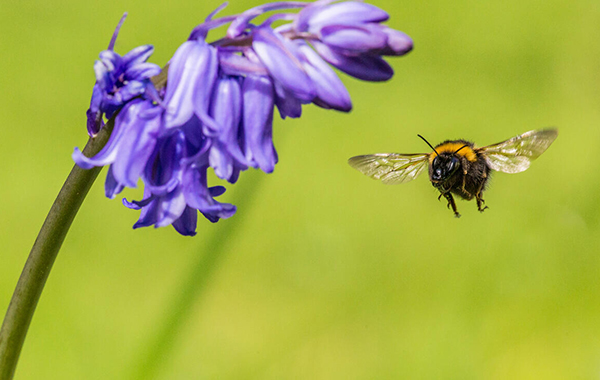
x: 452, y: 164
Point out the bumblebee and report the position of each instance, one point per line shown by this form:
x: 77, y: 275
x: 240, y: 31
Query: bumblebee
x: 458, y: 167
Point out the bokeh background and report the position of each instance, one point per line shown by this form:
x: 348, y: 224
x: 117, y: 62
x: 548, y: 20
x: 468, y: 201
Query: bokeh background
x: 323, y: 273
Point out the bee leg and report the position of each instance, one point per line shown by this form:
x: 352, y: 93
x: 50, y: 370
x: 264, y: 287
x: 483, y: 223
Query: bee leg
x: 450, y: 200
x: 480, y: 201
x: 479, y: 195
x: 468, y: 195
x: 464, y: 164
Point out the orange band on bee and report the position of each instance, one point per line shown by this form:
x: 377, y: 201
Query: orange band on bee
x: 451, y: 147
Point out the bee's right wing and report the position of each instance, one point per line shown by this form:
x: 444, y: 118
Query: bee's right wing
x: 390, y: 168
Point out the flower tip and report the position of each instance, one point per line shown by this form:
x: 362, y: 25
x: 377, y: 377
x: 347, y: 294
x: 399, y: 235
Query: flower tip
x: 215, y: 191
x: 81, y: 160
x: 185, y: 232
x: 398, y: 43
x: 138, y: 225
x: 111, y: 44
x: 186, y: 224
x: 94, y: 122
x: 217, y: 10
x: 345, y: 103
x: 228, y: 210
x: 345, y: 107
x: 131, y: 205
x: 267, y: 167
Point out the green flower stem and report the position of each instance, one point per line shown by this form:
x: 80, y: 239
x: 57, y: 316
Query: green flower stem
x: 42, y: 256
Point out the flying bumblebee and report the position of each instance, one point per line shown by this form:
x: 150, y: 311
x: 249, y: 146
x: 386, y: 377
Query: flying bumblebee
x: 457, y: 166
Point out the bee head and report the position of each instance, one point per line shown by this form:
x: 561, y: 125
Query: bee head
x: 443, y: 166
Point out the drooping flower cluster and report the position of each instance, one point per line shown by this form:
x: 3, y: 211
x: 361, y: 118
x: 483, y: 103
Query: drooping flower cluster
x: 216, y: 109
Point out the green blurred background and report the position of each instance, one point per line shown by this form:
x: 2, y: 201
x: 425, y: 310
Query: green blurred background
x: 323, y: 273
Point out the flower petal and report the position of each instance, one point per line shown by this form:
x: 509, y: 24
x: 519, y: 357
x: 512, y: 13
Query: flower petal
x: 197, y: 143
x: 111, y: 186
x: 280, y: 57
x: 398, y: 43
x: 184, y: 68
x: 234, y: 64
x: 93, y: 114
x: 104, y: 79
x: 204, y: 91
x: 365, y: 66
x: 225, y: 154
x: 149, y: 215
x: 304, y: 16
x: 258, y: 123
x: 163, y: 172
x: 221, y: 161
x: 149, y: 208
x: 331, y: 92
x: 241, y: 23
x: 107, y: 155
x: 216, y: 191
x: 131, y: 90
x: 113, y: 39
x: 354, y: 38
x: 192, y: 74
x: 138, y: 55
x: 186, y: 224
x: 142, y: 71
x: 111, y: 60
x: 226, y: 109
x: 138, y: 141
x: 198, y: 196
x: 287, y: 104
x: 346, y: 13
x: 171, y: 206
x: 137, y: 205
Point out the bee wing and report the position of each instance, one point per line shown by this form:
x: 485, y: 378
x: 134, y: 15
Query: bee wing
x: 515, y: 155
x: 390, y: 168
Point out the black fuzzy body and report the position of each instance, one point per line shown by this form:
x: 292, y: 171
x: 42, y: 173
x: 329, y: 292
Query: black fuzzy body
x: 457, y: 168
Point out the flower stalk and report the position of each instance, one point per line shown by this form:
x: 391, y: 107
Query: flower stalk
x: 45, y: 249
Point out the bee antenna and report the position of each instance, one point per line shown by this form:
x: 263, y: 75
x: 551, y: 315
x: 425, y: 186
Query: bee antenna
x: 427, y: 142
x: 464, y: 146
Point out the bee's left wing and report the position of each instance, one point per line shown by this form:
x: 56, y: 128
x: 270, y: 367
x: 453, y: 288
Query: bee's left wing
x: 390, y: 168
x: 515, y: 155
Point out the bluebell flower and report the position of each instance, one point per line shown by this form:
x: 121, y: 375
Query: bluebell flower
x: 282, y: 59
x: 258, y: 122
x: 225, y: 154
x: 215, y: 109
x: 137, y: 127
x: 118, y: 81
x: 192, y: 75
x: 329, y: 89
x: 177, y: 189
x: 350, y: 36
